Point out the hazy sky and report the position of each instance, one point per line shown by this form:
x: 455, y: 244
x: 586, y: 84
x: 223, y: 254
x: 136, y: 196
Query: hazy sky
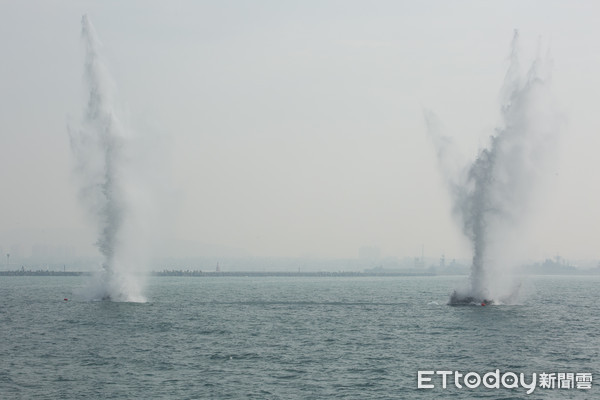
x: 293, y: 128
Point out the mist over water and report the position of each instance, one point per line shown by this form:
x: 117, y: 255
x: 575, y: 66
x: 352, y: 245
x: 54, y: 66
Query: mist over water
x: 99, y: 147
x: 492, y: 195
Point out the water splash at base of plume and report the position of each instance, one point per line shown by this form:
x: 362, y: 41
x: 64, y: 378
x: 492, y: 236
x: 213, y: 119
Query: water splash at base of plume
x: 491, y: 196
x: 98, y: 148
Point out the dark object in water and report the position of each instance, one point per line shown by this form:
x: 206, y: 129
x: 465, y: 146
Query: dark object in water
x: 459, y: 300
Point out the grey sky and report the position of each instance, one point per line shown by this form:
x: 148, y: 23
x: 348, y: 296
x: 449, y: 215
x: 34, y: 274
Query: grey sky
x: 293, y: 128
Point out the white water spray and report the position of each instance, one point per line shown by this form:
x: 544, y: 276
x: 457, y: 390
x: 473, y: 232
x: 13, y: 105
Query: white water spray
x: 492, y: 195
x: 99, y: 149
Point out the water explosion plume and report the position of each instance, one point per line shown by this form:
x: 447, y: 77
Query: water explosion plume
x: 492, y: 194
x: 99, y: 151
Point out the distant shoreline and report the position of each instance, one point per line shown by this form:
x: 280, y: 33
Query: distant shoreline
x: 196, y: 273
x: 42, y: 273
x: 247, y: 274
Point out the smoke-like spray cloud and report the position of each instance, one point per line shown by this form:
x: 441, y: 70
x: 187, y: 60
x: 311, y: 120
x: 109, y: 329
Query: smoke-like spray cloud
x: 492, y: 194
x: 99, y: 149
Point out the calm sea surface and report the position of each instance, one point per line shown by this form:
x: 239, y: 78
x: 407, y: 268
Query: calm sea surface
x: 289, y: 338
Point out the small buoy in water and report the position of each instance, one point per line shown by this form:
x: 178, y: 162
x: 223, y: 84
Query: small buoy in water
x: 482, y: 304
x: 66, y: 299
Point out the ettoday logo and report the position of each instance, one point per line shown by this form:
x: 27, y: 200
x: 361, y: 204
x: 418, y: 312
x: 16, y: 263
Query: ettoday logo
x: 508, y: 380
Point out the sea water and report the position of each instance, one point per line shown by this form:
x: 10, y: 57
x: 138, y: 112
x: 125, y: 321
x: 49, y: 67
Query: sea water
x: 289, y: 338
